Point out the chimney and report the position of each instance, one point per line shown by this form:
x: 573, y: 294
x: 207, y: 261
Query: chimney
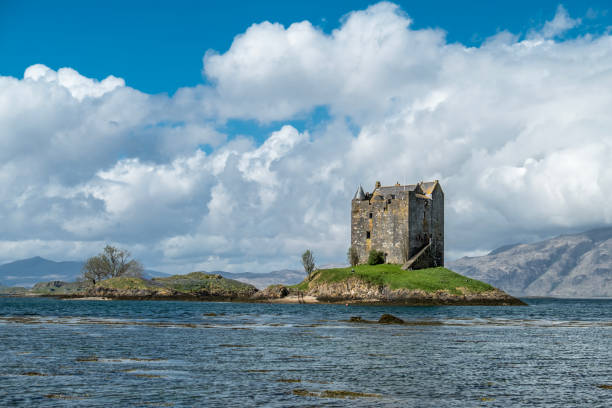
x: 377, y: 184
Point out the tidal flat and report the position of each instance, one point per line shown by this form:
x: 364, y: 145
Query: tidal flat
x: 165, y: 353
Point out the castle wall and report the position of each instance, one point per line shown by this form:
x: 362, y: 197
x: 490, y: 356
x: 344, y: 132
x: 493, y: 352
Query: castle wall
x: 359, y: 227
x: 437, y: 222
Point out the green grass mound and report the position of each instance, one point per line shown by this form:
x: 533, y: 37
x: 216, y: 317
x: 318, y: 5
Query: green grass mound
x: 123, y: 283
x: 12, y: 290
x: 205, y: 282
x: 391, y: 275
x: 58, y: 288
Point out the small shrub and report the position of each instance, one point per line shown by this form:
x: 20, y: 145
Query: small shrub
x: 376, y: 257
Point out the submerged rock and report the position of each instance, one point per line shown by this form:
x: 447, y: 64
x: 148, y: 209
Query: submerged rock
x: 390, y: 319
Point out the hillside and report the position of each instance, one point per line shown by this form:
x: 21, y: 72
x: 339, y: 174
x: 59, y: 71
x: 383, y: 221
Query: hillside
x: 389, y: 284
x: 28, y: 272
x: 195, y: 285
x: 572, y: 266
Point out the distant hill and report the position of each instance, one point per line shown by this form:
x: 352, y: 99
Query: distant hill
x: 573, y: 266
x: 263, y: 280
x: 28, y: 272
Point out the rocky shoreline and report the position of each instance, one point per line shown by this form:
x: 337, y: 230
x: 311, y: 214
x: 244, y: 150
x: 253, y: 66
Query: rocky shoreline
x: 354, y: 290
x: 407, y: 298
x: 401, y: 297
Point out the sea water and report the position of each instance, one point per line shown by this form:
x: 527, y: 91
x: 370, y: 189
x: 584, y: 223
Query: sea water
x: 166, y: 353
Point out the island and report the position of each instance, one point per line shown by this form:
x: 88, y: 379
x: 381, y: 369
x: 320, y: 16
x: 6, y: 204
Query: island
x: 384, y: 284
x: 389, y: 284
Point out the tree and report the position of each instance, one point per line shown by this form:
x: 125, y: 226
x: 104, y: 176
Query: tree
x: 376, y: 257
x: 110, y: 263
x: 353, y: 256
x: 309, y: 262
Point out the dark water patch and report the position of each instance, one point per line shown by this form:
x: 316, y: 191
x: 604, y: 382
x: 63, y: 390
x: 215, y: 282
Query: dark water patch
x: 235, y: 345
x: 66, y: 397
x: 147, y: 375
x: 334, y: 394
x: 87, y: 359
x: 289, y: 380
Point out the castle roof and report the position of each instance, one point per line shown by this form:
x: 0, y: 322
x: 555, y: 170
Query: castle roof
x: 422, y: 188
x: 395, y: 190
x: 359, y: 195
x: 428, y: 186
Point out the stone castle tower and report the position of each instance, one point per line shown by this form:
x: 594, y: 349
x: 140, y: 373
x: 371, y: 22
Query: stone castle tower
x: 404, y: 222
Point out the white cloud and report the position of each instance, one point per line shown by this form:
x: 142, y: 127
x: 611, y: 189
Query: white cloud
x: 560, y: 24
x: 517, y: 130
x: 79, y: 86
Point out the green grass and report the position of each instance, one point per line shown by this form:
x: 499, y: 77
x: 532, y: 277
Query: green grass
x: 125, y: 283
x: 428, y: 280
x: 64, y: 288
x: 198, y: 281
x: 12, y: 290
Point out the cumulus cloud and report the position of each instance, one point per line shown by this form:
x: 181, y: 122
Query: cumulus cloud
x: 515, y: 129
x: 79, y: 86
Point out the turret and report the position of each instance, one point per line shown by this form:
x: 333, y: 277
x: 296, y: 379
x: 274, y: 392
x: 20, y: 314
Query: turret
x: 359, y: 195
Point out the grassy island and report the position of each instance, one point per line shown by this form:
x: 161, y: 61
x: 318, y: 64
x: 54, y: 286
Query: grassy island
x: 389, y: 284
x: 392, y: 276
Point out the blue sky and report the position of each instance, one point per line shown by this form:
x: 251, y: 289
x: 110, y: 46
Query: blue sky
x: 157, y: 46
x: 232, y: 136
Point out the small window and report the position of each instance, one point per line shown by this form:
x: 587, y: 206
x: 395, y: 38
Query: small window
x: 367, y: 234
x: 370, y: 215
x: 389, y: 201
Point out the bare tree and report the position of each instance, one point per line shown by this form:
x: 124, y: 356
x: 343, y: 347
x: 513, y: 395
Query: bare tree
x: 353, y: 256
x: 110, y: 263
x: 309, y: 262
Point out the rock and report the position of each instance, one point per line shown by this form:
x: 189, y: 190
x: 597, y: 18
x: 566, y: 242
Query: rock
x: 390, y: 319
x: 272, y: 292
x: 355, y: 290
x: 356, y: 319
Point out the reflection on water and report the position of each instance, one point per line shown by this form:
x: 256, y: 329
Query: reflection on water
x: 53, y: 352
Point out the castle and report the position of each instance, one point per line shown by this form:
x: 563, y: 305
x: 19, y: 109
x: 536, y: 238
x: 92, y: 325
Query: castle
x: 406, y: 223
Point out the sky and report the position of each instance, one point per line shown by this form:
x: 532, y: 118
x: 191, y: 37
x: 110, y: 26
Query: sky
x: 232, y: 136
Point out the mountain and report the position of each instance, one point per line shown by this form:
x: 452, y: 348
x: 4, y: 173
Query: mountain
x: 569, y: 266
x: 28, y: 272
x: 263, y: 280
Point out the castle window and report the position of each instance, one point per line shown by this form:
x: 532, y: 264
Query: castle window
x: 370, y: 215
x: 389, y: 201
x: 367, y: 234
